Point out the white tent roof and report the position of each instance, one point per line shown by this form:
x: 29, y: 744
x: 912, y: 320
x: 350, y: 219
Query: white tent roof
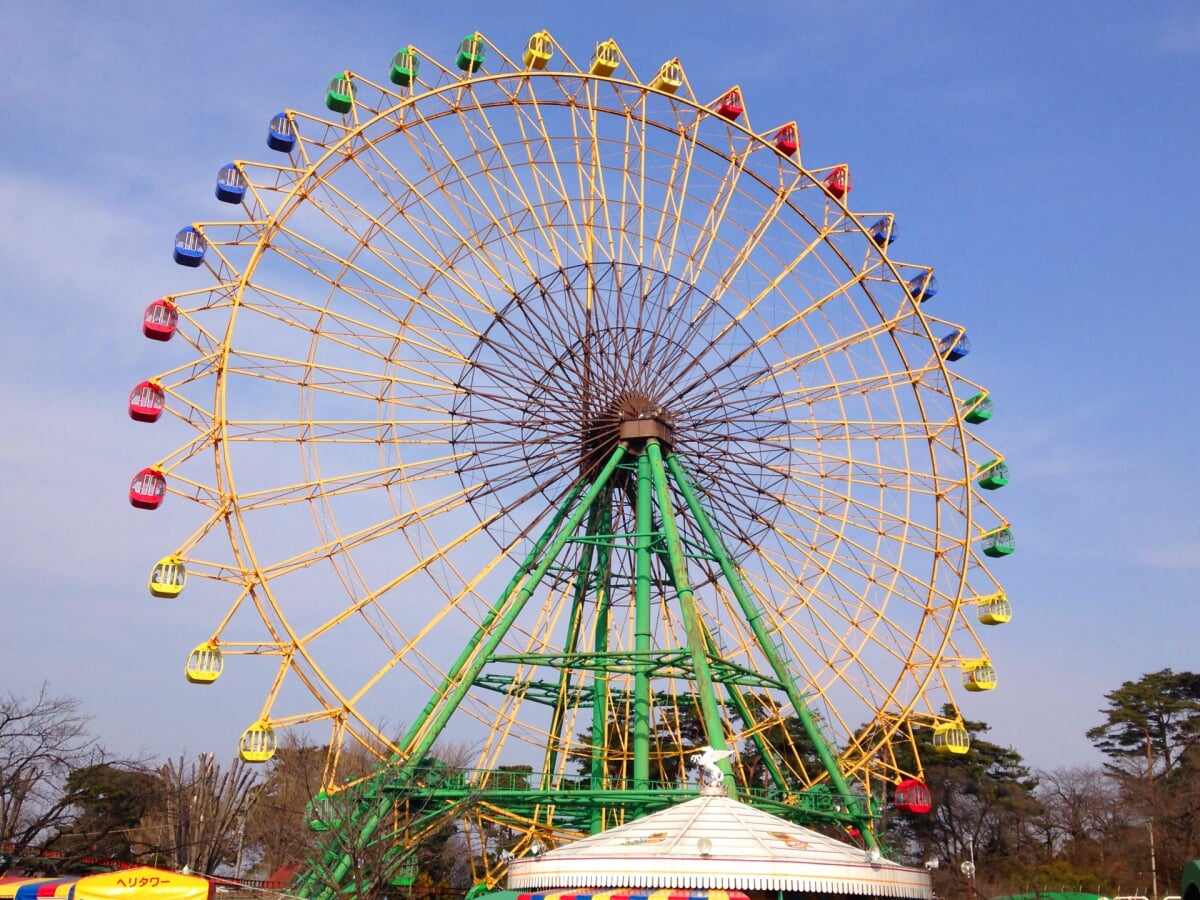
x: 715, y: 842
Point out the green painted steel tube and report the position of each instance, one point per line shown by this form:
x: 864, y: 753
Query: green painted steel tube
x: 600, y: 684
x: 643, y: 555
x: 490, y: 618
x: 754, y: 618
x: 477, y: 652
x: 496, y: 635
x: 578, y: 597
x: 713, y: 728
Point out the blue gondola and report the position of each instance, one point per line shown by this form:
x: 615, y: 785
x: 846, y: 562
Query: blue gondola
x: 189, y: 247
x: 922, y: 287
x: 883, y: 231
x: 954, y: 346
x: 231, y: 184
x: 281, y: 134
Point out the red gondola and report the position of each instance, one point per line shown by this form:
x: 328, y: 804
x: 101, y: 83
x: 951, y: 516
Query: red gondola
x: 913, y: 796
x: 159, y: 320
x: 731, y: 105
x: 147, y: 489
x: 787, y: 139
x: 837, y: 182
x: 146, y: 402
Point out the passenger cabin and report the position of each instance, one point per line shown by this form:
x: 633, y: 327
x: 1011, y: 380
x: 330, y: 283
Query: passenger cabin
x: 168, y: 578
x: 669, y: 78
x: 606, y: 58
x: 883, y: 231
x: 189, y: 247
x: 538, y: 50
x: 281, y: 133
x: 340, y: 96
x: 787, y: 139
x: 731, y: 105
x: 146, y: 401
x: 951, y: 737
x: 995, y: 609
x: 258, y: 743
x: 954, y: 346
x: 159, y: 320
x: 912, y: 796
x: 406, y: 66
x: 992, y: 474
x: 922, y: 287
x: 999, y: 542
x: 147, y: 489
x: 204, y: 664
x: 837, y: 182
x: 978, y: 675
x: 231, y: 184
x: 471, y: 53
x: 978, y: 408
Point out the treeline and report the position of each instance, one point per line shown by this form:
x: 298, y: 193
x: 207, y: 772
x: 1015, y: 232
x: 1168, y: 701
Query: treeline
x: 1125, y: 827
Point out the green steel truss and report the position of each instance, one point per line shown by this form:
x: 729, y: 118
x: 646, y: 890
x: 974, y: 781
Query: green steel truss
x: 655, y: 482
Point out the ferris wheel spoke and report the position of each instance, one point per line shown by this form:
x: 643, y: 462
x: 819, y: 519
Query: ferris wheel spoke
x: 509, y: 191
x: 401, y: 255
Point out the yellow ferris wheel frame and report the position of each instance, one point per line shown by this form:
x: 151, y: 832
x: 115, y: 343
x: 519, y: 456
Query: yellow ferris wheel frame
x: 516, y: 176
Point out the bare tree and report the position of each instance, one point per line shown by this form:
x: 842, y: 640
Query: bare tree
x: 198, y: 826
x: 365, y: 827
x: 42, y: 740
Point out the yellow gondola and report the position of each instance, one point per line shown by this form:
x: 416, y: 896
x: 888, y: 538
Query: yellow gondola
x: 258, y: 743
x: 167, y: 578
x: 978, y: 675
x: 538, y: 51
x: 606, y: 58
x: 995, y: 609
x: 951, y: 737
x: 204, y: 664
x: 669, y: 77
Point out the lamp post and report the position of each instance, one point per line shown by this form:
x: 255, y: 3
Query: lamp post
x: 968, y: 869
x: 1150, y: 818
x: 251, y: 796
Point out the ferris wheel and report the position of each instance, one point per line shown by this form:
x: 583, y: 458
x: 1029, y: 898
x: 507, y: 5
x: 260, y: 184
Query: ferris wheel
x: 567, y: 413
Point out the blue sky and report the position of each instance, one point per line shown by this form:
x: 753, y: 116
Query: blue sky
x: 1041, y: 156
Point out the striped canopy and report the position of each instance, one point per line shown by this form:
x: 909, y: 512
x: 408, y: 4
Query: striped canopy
x: 708, y: 847
x: 49, y: 889
x: 10, y: 884
x: 626, y: 894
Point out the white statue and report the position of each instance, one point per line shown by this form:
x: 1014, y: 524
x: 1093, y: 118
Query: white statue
x: 706, y: 762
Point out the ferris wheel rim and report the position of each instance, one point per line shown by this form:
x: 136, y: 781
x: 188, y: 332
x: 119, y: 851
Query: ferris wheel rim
x: 279, y: 222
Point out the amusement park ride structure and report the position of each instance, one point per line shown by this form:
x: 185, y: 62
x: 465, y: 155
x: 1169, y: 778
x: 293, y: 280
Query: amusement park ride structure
x: 580, y: 404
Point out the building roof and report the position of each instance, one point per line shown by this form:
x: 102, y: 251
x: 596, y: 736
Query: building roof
x: 717, y: 842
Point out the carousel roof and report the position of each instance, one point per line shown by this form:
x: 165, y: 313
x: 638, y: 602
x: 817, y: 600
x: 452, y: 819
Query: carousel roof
x: 716, y: 842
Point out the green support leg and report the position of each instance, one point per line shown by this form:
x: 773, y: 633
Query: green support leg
x: 754, y: 618
x: 713, y: 728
